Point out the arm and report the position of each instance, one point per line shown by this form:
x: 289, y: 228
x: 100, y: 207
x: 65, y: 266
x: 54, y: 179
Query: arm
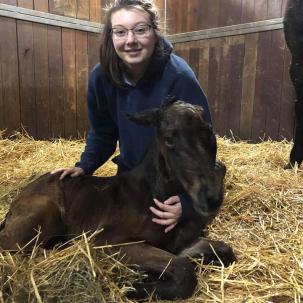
x: 102, y: 137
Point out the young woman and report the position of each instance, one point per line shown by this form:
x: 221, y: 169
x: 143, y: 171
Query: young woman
x: 137, y: 71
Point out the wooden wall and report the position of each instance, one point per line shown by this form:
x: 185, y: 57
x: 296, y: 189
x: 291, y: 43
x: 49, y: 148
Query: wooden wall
x: 44, y: 69
x: 192, y: 15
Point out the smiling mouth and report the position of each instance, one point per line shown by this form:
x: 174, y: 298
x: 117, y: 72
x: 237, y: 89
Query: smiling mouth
x: 133, y: 51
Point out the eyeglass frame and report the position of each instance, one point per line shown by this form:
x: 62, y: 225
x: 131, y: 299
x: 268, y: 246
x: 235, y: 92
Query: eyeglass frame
x: 130, y: 29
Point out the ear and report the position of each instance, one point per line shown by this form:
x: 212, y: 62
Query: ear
x: 150, y: 117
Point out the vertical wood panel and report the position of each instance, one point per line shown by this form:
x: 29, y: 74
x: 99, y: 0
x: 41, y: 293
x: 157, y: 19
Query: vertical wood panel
x: 95, y: 10
x: 41, y: 81
x: 26, y: 3
x: 55, y: 81
x: 63, y: 7
x: 275, y: 75
x: 82, y: 9
x: 274, y: 9
x: 214, y: 13
x: 248, y: 87
x: 192, y: 15
x: 287, y: 112
x: 10, y: 76
x: 11, y: 2
x: 213, y: 80
x: 204, y: 64
x: 26, y: 76
x: 237, y: 51
x: 193, y: 58
x: 260, y: 10
x: 224, y: 102
x: 82, y: 78
x: 41, y: 5
x: 262, y: 82
x: 69, y: 82
x: 248, y: 11
x: 93, y: 44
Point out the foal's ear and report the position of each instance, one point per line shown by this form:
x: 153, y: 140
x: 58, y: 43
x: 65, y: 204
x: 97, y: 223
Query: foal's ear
x: 150, y: 117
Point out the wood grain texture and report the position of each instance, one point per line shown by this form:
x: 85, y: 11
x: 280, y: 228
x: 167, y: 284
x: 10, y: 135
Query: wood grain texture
x: 42, y: 88
x: 26, y: 76
x: 10, y: 75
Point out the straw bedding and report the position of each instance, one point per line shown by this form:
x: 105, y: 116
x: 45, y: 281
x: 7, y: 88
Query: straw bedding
x: 262, y: 219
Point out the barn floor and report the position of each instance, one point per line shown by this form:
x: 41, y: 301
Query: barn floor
x: 262, y: 219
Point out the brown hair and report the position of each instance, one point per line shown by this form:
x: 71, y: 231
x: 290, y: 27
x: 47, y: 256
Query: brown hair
x: 111, y: 63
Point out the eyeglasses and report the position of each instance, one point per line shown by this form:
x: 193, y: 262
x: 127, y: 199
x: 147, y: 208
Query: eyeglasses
x: 139, y: 31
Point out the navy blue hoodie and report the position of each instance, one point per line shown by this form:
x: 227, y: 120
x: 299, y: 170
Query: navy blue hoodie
x: 168, y: 75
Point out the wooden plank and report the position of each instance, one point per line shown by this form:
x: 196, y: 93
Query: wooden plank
x: 93, y: 50
x: 213, y: 83
x: 260, y: 10
x: 248, y: 11
x: 63, y: 7
x: 274, y: 9
x: 82, y: 9
x: 248, y: 86
x: 204, y: 64
x: 224, y: 102
x: 213, y: 13
x: 69, y: 82
x: 26, y: 76
x: 287, y: 112
x: 95, y: 10
x: 10, y: 2
x: 10, y: 76
x: 171, y: 15
x: 202, y: 14
x: 192, y: 15
x: 26, y: 4
x: 41, y: 5
x: 47, y: 18
x: 160, y: 4
x: 82, y: 79
x: 237, y: 50
x: 230, y: 12
x: 55, y: 82
x: 275, y: 74
x: 193, y: 58
x: 262, y: 82
x: 41, y: 81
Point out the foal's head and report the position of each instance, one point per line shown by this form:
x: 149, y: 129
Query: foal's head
x: 184, y: 142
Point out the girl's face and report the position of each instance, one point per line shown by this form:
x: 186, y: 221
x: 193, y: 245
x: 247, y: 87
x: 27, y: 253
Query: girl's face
x: 133, y: 37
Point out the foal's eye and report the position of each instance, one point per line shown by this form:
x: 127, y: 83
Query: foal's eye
x: 169, y: 142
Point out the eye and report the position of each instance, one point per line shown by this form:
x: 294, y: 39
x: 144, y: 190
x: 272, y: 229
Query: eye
x: 119, y: 32
x: 141, y: 30
x: 169, y: 142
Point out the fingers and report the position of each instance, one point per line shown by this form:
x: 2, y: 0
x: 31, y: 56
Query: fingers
x: 164, y: 221
x: 73, y: 172
x: 161, y: 214
x: 170, y: 227
x: 167, y: 213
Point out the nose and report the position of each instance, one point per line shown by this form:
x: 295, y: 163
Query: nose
x: 131, y: 38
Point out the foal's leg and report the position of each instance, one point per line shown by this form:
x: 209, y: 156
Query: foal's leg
x: 26, y: 218
x: 169, y: 276
x: 215, y: 252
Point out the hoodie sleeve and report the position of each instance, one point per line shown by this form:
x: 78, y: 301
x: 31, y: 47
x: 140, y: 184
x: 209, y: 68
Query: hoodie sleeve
x: 102, y: 137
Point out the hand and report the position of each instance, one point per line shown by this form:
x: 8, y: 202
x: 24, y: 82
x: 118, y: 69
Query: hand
x: 168, y: 213
x: 72, y: 171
